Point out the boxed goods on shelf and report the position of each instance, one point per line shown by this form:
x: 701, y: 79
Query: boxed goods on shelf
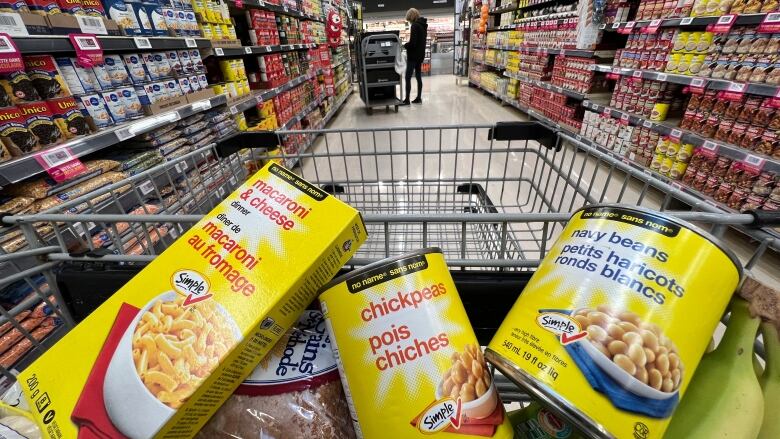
x: 576, y: 74
x: 555, y: 106
x: 646, y: 51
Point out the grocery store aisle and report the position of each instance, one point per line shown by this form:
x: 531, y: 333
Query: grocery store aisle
x: 444, y: 103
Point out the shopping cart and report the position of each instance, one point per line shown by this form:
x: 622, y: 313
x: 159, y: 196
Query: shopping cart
x: 493, y: 198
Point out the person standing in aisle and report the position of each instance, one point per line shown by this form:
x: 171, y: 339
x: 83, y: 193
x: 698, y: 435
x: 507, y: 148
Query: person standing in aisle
x: 415, y: 52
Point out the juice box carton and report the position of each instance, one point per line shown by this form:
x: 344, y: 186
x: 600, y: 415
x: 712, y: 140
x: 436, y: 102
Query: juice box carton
x: 166, y: 350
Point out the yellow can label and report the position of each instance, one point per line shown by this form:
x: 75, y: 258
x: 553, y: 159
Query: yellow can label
x: 409, y: 360
x: 616, y: 318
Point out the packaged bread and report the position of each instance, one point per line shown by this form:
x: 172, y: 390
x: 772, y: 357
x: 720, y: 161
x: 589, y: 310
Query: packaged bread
x: 294, y: 392
x: 79, y: 190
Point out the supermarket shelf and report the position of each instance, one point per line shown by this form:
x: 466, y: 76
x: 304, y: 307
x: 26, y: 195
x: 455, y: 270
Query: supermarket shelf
x: 379, y: 66
x: 43, y: 346
x: 340, y: 82
x: 298, y: 117
x: 16, y: 170
x: 55, y: 44
x: 742, y: 19
x: 713, y: 84
x: 484, y: 63
x: 547, y: 86
x: 606, y: 54
x: 503, y: 9
x: 340, y: 63
x: 725, y: 149
x: 290, y: 162
x: 260, y: 96
x: 279, y: 9
x: 258, y: 50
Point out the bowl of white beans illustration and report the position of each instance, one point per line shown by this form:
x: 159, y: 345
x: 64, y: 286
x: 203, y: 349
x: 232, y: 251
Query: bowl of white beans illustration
x: 636, y: 354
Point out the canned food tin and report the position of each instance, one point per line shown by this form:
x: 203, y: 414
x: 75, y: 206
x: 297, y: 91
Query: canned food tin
x: 409, y: 360
x: 617, y: 289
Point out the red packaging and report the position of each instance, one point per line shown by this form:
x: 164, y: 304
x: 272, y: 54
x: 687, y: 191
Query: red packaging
x: 93, y: 8
x: 44, y: 7
x: 73, y: 7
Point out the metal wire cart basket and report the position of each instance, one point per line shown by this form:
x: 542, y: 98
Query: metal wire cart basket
x: 493, y: 198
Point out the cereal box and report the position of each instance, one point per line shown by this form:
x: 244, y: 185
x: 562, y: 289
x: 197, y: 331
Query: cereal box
x: 164, y: 352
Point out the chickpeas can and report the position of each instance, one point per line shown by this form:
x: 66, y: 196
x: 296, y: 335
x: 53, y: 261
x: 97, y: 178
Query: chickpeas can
x: 409, y: 360
x: 610, y: 328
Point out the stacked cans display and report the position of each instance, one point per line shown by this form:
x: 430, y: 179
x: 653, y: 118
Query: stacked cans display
x: 576, y: 73
x: 646, y: 51
x: 117, y: 90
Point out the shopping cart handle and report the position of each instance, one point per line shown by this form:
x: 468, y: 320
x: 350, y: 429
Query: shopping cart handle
x: 764, y: 218
x: 525, y: 131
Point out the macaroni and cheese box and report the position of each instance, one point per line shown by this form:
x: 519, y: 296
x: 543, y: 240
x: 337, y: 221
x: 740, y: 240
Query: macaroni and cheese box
x: 164, y: 352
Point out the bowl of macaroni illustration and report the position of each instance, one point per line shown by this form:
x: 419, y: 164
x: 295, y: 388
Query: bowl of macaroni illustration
x: 164, y: 355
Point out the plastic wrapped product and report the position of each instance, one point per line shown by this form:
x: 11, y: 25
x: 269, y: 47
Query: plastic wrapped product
x: 157, y: 133
x: 127, y: 160
x: 16, y: 88
x: 43, y: 187
x: 158, y: 140
x: 197, y: 137
x: 194, y: 127
x: 45, y: 76
x: 294, y: 392
x: 14, y: 134
x: 40, y: 121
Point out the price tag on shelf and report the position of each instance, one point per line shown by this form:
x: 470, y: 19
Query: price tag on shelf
x: 710, y: 149
x: 686, y: 21
x: 675, y: 135
x: 221, y: 192
x: 91, y: 25
x: 578, y: 137
x: 248, y: 50
x: 723, y: 25
x: 286, y: 9
x: 624, y: 119
x: 88, y: 50
x: 174, y: 232
x: 628, y: 28
x: 218, y: 51
x: 661, y: 77
x: 636, y: 74
x: 652, y: 27
x: 142, y: 43
x: 13, y: 24
x: 259, y: 100
x: 181, y: 166
x: 753, y: 163
x: 771, y: 23
x: 602, y: 26
x: 647, y: 124
x: 232, y: 181
x: 233, y: 110
x: 697, y: 86
x: 734, y: 92
x: 615, y: 25
x: 190, y: 42
x: 123, y: 134
x: 60, y: 163
x: 606, y: 112
x: 775, y: 101
x: 613, y: 75
x: 146, y: 188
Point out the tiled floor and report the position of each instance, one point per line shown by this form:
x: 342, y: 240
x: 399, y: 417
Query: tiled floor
x: 428, y: 165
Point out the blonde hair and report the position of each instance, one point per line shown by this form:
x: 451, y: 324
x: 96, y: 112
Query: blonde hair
x: 412, y: 14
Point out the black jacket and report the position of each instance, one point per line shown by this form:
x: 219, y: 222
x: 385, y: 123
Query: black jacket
x: 415, y: 48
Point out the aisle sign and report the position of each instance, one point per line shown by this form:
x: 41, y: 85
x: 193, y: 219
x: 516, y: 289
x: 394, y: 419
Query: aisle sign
x: 88, y: 50
x: 10, y: 58
x: 60, y: 163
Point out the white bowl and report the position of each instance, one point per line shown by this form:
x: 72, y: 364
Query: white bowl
x: 627, y: 381
x: 479, y: 408
x: 131, y: 407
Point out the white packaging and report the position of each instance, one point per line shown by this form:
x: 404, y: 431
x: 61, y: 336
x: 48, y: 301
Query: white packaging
x: 115, y: 105
x: 94, y: 106
x: 135, y: 67
x: 186, y: 61
x: 116, y: 69
x: 103, y: 77
x: 204, y: 83
x: 173, y: 59
x: 80, y: 80
x: 194, y: 83
x: 184, y: 85
x: 133, y: 107
x: 163, y: 66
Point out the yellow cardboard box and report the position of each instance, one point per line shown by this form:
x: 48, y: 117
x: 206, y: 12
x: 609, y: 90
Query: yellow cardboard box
x: 164, y: 352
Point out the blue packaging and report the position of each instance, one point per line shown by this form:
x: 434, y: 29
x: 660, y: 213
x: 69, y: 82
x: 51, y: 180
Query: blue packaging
x: 92, y: 105
x: 123, y: 15
x: 143, y: 97
x: 154, y: 11
x: 132, y: 103
x: 116, y: 69
x: 144, y: 22
x: 116, y: 105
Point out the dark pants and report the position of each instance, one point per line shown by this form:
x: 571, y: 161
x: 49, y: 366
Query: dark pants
x: 416, y: 68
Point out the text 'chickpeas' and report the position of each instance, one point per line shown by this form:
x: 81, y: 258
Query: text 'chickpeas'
x: 637, y: 347
x: 468, y: 378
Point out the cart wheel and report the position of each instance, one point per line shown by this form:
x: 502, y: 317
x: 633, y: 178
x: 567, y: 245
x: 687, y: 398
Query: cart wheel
x: 396, y: 108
